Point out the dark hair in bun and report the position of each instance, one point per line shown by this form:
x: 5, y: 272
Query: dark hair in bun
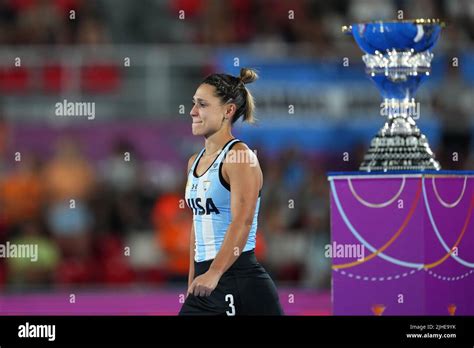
x: 232, y: 89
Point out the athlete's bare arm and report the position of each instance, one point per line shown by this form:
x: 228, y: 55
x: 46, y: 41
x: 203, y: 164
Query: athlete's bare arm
x: 191, y: 237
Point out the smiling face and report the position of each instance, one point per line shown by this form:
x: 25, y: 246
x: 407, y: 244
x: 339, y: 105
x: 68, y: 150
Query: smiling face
x: 208, y: 113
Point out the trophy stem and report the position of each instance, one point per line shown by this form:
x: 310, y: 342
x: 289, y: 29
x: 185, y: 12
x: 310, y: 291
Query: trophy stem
x: 399, y: 144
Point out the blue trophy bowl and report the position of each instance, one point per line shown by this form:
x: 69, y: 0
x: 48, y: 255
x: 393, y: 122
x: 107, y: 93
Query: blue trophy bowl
x: 381, y: 38
x: 418, y: 34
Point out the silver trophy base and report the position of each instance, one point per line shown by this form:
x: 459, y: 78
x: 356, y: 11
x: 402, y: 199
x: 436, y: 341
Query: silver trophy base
x: 399, y: 145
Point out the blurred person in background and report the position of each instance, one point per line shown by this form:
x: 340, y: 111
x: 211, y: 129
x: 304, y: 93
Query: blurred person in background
x: 172, y: 224
x: 8, y: 19
x: 4, y: 131
x: 39, y: 22
x: 28, y: 273
x: 119, y: 190
x: 453, y: 105
x: 21, y: 191
x: 69, y: 182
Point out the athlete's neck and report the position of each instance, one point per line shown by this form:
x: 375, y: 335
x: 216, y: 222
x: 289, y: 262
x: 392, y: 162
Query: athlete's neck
x: 216, y: 141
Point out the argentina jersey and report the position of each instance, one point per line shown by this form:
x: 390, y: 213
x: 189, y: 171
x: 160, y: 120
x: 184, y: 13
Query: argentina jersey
x: 208, y: 196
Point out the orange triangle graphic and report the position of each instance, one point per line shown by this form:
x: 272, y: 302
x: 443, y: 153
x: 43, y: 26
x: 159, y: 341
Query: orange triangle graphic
x: 378, y: 309
x: 452, y: 309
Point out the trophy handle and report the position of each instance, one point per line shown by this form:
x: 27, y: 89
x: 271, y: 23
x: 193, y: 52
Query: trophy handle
x: 347, y: 29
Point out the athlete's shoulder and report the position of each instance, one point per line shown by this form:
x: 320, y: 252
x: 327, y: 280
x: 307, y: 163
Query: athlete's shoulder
x: 243, y: 167
x: 240, y: 145
x: 243, y: 147
x: 241, y: 153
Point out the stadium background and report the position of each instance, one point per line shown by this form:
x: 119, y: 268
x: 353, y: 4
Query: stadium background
x: 123, y: 248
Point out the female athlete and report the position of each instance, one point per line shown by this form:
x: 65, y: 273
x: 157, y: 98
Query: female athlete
x: 223, y: 192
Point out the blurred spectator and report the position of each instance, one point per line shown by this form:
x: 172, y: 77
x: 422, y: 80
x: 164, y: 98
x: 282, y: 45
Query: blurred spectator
x: 69, y: 182
x: 120, y: 169
x: 114, y: 267
x: 91, y: 31
x: 28, y: 273
x: 210, y: 21
x: 313, y: 198
x: 21, y: 191
x: 122, y: 200
x: 422, y: 9
x: 217, y: 23
x: 40, y: 23
x: 69, y: 174
x: 8, y: 18
x: 453, y: 105
x: 4, y: 131
x: 367, y: 10
x: 172, y: 221
x: 463, y: 12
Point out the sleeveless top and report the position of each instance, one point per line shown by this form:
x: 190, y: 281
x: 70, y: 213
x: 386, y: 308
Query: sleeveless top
x: 208, y: 196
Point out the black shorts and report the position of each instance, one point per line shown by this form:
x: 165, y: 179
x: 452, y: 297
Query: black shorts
x: 244, y: 289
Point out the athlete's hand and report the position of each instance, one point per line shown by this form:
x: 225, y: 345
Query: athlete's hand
x: 204, y: 284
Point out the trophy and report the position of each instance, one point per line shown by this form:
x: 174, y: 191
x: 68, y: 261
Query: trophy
x: 398, y: 59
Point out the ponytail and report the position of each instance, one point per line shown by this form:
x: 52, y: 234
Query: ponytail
x: 248, y: 76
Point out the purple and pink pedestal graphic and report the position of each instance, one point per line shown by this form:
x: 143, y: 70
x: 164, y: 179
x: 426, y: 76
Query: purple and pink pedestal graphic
x: 402, y: 243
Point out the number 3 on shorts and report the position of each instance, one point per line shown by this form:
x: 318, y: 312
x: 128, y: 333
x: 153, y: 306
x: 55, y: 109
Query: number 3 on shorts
x: 230, y: 298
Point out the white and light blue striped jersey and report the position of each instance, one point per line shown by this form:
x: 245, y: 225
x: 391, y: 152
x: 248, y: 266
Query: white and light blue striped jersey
x: 208, y: 196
